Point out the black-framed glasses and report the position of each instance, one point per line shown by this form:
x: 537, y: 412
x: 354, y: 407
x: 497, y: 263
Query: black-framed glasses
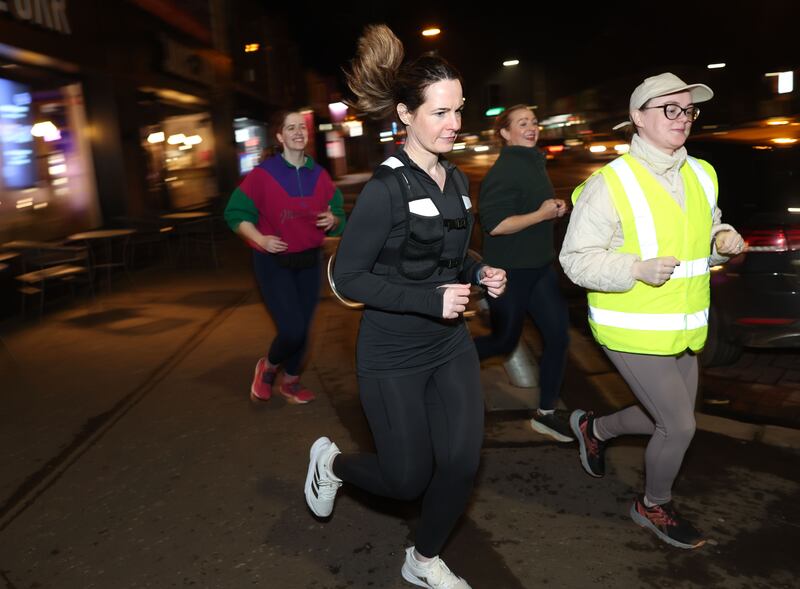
x: 673, y: 111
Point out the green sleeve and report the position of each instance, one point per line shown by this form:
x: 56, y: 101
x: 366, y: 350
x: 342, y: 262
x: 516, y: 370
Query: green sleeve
x: 337, y: 208
x: 240, y: 208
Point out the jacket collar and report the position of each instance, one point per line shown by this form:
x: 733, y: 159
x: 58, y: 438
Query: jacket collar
x: 308, y: 163
x: 532, y: 153
x: 404, y: 157
x: 655, y: 159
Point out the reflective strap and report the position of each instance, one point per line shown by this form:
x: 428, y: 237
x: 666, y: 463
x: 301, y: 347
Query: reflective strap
x: 642, y: 215
x: 467, y: 202
x: 649, y: 321
x: 393, y: 163
x: 424, y: 207
x: 705, y: 181
x: 691, y: 268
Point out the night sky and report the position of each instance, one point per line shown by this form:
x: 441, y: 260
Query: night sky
x: 581, y: 45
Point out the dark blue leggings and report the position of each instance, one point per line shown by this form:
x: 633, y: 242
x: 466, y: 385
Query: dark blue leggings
x: 428, y: 431
x: 535, y: 291
x: 291, y: 296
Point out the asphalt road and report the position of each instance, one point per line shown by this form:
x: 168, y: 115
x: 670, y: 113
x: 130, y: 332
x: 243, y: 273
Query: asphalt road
x: 132, y: 458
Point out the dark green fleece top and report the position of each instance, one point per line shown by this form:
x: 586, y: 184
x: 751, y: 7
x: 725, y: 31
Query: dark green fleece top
x: 517, y: 184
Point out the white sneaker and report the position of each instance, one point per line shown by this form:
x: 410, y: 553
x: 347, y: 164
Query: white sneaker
x: 433, y: 574
x: 321, y: 483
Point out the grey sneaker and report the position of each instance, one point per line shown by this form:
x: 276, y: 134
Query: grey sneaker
x: 554, y: 425
x: 321, y: 484
x: 592, y: 450
x: 667, y: 524
x: 433, y: 574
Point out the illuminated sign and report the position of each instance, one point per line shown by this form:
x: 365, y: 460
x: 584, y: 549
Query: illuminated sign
x: 50, y: 14
x: 16, y: 141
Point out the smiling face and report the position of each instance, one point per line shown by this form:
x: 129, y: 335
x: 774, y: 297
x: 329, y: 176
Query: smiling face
x: 657, y: 129
x: 434, y: 126
x: 294, y: 133
x: 523, y: 128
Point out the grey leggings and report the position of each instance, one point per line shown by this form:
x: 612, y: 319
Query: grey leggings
x: 666, y: 386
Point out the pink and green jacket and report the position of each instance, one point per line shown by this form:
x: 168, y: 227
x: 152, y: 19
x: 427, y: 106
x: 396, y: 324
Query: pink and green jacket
x: 282, y: 200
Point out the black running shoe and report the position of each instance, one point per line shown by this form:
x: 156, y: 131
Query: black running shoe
x: 592, y: 450
x: 554, y: 425
x: 667, y: 524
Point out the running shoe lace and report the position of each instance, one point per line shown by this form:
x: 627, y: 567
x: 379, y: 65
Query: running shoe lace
x: 440, y: 576
x: 594, y: 447
x: 660, y: 516
x: 328, y: 488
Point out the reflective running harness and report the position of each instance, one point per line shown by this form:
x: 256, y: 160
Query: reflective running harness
x: 670, y: 318
x: 420, y: 254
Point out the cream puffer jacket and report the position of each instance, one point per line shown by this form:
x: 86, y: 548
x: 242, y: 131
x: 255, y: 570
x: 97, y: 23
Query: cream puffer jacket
x: 589, y: 255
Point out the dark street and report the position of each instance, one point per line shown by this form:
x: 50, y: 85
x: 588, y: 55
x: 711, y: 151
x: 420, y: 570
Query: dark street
x: 133, y: 458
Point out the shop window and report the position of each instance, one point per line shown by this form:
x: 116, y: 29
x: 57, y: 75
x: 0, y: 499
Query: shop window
x: 181, y: 163
x: 47, y: 184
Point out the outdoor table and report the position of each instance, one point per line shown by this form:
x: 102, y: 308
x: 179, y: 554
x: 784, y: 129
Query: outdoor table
x: 186, y: 216
x: 104, y: 239
x: 197, y: 226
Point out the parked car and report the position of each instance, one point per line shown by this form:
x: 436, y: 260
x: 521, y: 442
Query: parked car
x: 755, y: 297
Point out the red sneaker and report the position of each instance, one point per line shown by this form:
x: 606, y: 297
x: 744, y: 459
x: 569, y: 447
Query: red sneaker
x: 261, y: 387
x: 296, y: 393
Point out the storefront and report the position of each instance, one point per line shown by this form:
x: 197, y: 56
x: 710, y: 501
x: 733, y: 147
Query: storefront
x: 47, y: 177
x: 107, y: 112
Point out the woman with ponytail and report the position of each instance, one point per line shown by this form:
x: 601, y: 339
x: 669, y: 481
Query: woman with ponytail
x: 404, y: 256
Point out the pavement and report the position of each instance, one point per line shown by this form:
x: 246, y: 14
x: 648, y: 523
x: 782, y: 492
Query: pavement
x: 133, y: 458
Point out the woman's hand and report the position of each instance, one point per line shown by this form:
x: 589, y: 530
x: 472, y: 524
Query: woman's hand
x: 455, y: 299
x: 552, y: 208
x: 655, y: 271
x: 272, y: 244
x: 327, y: 220
x: 494, y: 279
x: 729, y: 243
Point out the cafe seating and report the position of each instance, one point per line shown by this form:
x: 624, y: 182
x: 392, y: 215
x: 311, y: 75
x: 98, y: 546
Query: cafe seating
x: 47, y: 268
x: 152, y: 237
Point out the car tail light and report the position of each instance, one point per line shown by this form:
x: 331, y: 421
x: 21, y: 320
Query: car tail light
x: 765, y: 321
x: 555, y: 148
x: 775, y: 239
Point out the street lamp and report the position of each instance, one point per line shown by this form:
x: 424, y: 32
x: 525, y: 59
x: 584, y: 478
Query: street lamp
x: 431, y: 32
x: 510, y: 63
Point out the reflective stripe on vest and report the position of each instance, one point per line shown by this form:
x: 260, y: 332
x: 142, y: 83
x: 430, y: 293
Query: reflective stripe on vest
x: 705, y: 181
x: 649, y: 321
x: 645, y: 227
x: 691, y: 268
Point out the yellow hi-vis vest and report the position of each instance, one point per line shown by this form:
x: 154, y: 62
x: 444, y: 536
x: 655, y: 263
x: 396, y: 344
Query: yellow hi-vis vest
x: 667, y: 319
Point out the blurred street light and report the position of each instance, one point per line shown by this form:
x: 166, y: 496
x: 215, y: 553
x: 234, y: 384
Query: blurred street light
x: 785, y: 81
x: 511, y: 62
x: 431, y: 32
x: 715, y: 66
x: 251, y: 47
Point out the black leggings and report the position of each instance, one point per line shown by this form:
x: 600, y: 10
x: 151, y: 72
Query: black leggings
x: 428, y: 431
x: 291, y: 296
x: 535, y: 291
